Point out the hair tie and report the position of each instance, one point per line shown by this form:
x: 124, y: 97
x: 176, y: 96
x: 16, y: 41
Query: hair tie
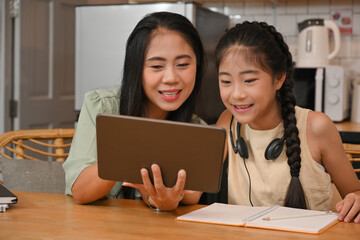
x: 295, y: 172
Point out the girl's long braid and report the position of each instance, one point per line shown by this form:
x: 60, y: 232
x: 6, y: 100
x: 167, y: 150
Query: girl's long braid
x: 295, y: 196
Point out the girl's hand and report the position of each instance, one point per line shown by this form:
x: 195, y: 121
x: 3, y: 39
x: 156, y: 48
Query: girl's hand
x: 160, y: 196
x: 349, y: 207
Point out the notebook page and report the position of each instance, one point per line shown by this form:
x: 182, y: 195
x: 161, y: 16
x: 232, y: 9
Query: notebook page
x: 219, y: 213
x: 308, y: 221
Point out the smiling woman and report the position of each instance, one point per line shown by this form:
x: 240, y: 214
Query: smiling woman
x: 169, y: 73
x: 162, y: 76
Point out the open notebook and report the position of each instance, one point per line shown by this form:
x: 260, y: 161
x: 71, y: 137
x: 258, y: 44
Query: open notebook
x: 276, y: 217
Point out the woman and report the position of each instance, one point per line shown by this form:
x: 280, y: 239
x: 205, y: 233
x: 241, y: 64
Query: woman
x: 162, y: 75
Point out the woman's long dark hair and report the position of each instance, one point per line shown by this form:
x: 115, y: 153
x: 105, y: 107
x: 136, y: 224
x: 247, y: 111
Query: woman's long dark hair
x: 270, y: 52
x: 132, y: 97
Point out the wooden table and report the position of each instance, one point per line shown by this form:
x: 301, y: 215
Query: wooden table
x: 56, y: 216
x: 348, y: 126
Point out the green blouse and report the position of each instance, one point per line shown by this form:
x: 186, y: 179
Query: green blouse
x: 83, y: 151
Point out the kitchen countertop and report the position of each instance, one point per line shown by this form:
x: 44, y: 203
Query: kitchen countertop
x: 348, y: 126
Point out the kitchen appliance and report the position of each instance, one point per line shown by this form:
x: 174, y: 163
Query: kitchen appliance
x: 101, y: 34
x: 323, y: 89
x: 313, y: 44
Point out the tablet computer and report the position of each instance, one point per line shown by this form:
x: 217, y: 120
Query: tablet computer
x: 125, y: 144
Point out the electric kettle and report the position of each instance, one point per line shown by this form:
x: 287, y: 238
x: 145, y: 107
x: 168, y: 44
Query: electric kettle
x: 313, y: 44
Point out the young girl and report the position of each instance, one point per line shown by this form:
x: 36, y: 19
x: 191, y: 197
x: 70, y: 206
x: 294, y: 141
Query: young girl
x: 278, y: 152
x: 161, y: 79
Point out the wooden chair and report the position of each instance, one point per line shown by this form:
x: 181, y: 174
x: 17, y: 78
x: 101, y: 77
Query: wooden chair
x: 353, y: 153
x: 50, y: 145
x: 351, y: 143
x: 37, y: 144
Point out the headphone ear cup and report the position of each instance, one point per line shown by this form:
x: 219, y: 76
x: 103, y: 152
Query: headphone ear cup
x: 274, y: 149
x: 242, y: 148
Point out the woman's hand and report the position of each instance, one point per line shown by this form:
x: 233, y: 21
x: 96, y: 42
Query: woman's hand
x: 159, y: 195
x: 349, y: 207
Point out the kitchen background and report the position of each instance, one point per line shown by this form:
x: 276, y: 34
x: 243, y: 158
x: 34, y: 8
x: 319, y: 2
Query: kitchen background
x: 285, y: 14
x: 37, y: 50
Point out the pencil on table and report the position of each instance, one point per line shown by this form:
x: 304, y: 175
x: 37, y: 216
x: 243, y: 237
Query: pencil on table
x: 297, y: 216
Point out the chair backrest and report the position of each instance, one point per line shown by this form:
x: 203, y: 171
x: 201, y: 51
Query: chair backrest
x: 37, y: 144
x: 351, y: 143
x: 353, y: 153
x: 33, y: 176
x: 50, y: 145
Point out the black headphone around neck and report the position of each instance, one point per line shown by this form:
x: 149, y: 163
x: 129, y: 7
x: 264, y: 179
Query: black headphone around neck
x: 273, y: 150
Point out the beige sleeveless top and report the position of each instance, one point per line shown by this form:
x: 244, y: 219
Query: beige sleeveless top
x: 270, y: 179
